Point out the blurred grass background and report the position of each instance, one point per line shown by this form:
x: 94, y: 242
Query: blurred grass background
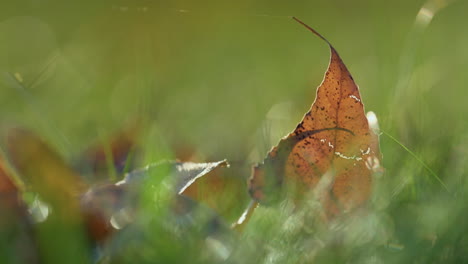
x: 228, y: 79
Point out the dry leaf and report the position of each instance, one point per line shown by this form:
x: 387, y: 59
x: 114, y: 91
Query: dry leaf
x: 189, y: 172
x: 98, y: 205
x: 10, y: 200
x: 332, y: 150
x: 109, y: 207
x: 16, y: 231
x: 223, y: 190
x: 103, y: 208
x: 115, y: 151
x: 44, y: 171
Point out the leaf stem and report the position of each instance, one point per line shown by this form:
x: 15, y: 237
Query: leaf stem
x: 312, y: 30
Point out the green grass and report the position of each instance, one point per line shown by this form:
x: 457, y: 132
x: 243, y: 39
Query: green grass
x: 228, y: 81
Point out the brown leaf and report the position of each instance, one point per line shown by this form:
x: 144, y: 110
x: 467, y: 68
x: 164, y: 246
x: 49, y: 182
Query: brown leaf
x: 98, y: 205
x: 115, y: 151
x: 9, y: 193
x: 44, y: 172
x: 109, y: 207
x: 223, y: 190
x: 332, y: 151
x: 189, y: 172
x: 15, y: 223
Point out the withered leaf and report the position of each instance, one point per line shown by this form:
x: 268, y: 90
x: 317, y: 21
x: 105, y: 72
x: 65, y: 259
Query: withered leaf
x: 46, y: 173
x: 186, y: 173
x: 116, y: 151
x: 16, y: 231
x: 102, y: 204
x: 189, y: 172
x: 98, y: 205
x: 332, y: 148
x: 9, y: 194
x: 223, y: 190
x: 43, y: 170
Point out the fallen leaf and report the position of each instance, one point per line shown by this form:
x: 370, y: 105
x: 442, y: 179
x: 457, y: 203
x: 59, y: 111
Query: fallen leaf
x: 9, y: 194
x: 43, y: 170
x: 332, y: 151
x: 16, y: 231
x: 185, y: 173
x: 223, y: 190
x: 46, y: 173
x: 114, y: 152
x: 98, y: 205
x: 189, y: 172
x: 104, y: 208
x: 110, y: 207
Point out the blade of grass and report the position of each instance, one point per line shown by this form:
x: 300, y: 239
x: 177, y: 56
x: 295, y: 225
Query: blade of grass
x: 417, y: 159
x: 109, y: 156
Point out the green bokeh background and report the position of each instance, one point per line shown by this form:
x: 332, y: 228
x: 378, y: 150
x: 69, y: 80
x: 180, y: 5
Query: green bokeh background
x: 229, y: 79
